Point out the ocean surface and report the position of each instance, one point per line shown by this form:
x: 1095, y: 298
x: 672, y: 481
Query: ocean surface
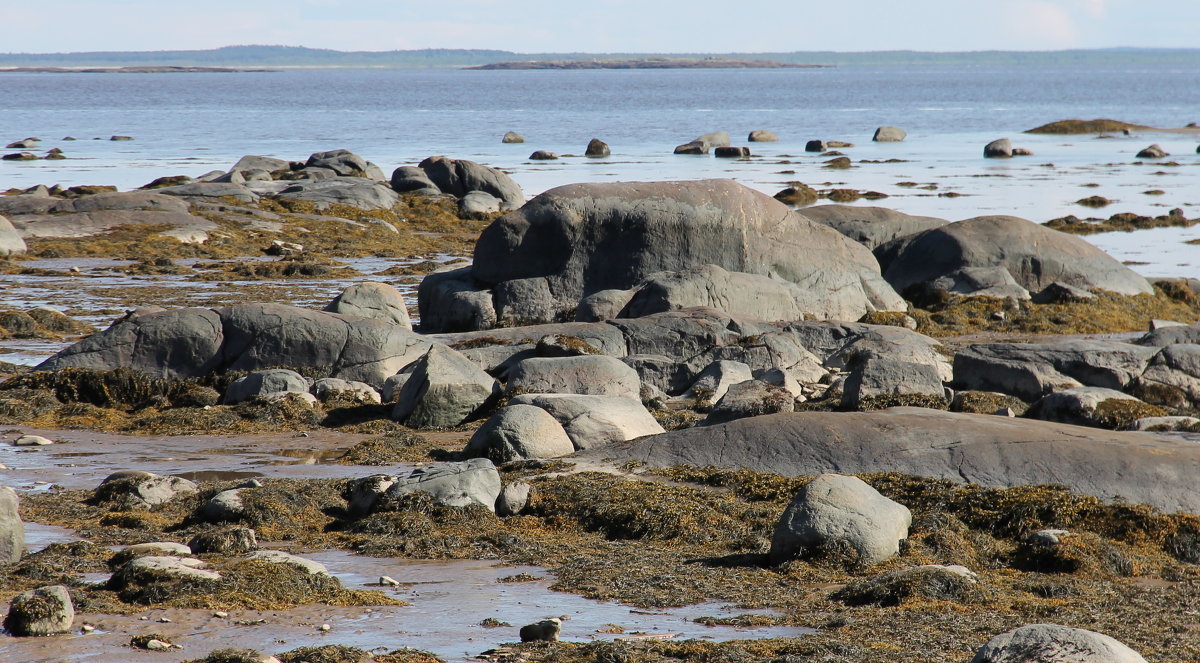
x: 194, y: 123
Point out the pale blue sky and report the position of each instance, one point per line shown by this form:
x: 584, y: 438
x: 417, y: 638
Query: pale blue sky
x: 599, y: 25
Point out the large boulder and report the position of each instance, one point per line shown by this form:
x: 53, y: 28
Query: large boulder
x: 374, y: 300
x: 195, y: 342
x: 880, y: 378
x: 594, y: 421
x: 12, y: 529
x: 1029, y: 254
x: 585, y: 238
x: 346, y: 164
x: 40, y: 612
x: 871, y: 226
x: 1051, y: 643
x: 451, y: 300
x: 1001, y: 148
x: 459, y: 176
x: 1139, y: 468
x: 445, y: 389
x: 832, y: 511
x: 519, y: 432
x: 411, y: 179
x: 598, y: 375
x: 11, y: 243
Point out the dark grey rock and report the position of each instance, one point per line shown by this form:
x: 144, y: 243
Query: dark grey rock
x: 730, y: 152
x: 1152, y: 152
x: 445, y: 390
x: 451, y: 300
x: 1001, y: 148
x: 597, y: 148
x: 762, y: 136
x: 543, y: 155
x: 346, y: 164
x: 458, y: 176
x: 1031, y: 370
x: 411, y: 179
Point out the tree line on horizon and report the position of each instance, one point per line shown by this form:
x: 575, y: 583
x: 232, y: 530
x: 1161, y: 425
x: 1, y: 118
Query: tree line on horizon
x: 299, y: 56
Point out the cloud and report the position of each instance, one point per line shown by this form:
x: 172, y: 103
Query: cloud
x: 1039, y: 25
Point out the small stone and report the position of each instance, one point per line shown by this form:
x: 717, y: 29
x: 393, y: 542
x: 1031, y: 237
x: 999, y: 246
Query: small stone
x: 32, y: 441
x: 86, y: 628
x: 388, y: 581
x: 324, y: 627
x: 160, y: 645
x: 164, y: 620
x: 220, y: 614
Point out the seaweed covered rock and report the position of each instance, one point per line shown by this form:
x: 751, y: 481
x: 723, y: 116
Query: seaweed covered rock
x: 987, y: 251
x: 928, y: 582
x: 519, y: 432
x: 836, y: 513
x: 457, y: 484
x: 1051, y: 643
x: 153, y: 569
x: 1093, y: 406
x: 134, y: 489
x: 444, y: 390
x: 581, y: 239
x: 225, y: 541
x: 12, y: 529
x: 40, y: 612
x: 871, y: 226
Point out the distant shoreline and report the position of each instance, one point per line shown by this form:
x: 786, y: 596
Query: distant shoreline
x: 644, y: 63
x: 144, y: 69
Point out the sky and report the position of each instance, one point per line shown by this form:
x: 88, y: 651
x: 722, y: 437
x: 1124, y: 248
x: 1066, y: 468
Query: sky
x: 599, y: 26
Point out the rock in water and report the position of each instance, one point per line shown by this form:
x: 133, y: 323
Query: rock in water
x: 889, y: 135
x: 762, y: 136
x: 512, y: 137
x: 1051, y: 643
x: 1001, y: 148
x: 544, y: 631
x: 12, y: 529
x: 597, y: 148
x: 42, y: 611
x: 833, y: 510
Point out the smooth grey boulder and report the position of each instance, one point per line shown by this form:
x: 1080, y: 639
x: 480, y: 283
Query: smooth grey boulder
x: 1031, y: 370
x: 1051, y: 643
x: 353, y: 191
x: 602, y: 305
x: 459, y: 176
x: 261, y: 383
x: 346, y: 164
x: 446, y: 389
x: 137, y: 489
x: 512, y: 137
x: 12, y: 529
x: 519, y: 432
x: 702, y: 144
x: 597, y: 375
x: 478, y: 205
x: 750, y: 295
x: 750, y: 398
x: 836, y: 510
x: 889, y: 135
x: 871, y: 226
x: 411, y: 179
x: 1138, y: 468
x: 594, y: 421
x: 452, y: 484
x: 521, y: 302
x: 373, y: 300
x: 1033, y: 255
x: 597, y: 148
x: 1077, y: 406
x: 878, y: 376
x: 360, y: 392
x: 11, y: 243
x: 762, y: 136
x: 195, y: 342
x: 451, y: 300
x: 585, y: 238
x: 1001, y: 148
x: 1180, y: 334
x: 716, y: 379
x: 200, y: 189
x: 40, y: 612
x: 268, y: 164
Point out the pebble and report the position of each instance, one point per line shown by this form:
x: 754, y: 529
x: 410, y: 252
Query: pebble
x: 324, y: 627
x: 159, y: 645
x: 220, y: 614
x: 87, y: 628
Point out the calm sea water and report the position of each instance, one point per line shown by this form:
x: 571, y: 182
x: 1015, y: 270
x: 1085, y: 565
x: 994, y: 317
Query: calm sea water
x: 193, y: 123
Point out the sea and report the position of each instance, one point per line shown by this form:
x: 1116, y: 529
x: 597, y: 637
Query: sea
x: 193, y: 123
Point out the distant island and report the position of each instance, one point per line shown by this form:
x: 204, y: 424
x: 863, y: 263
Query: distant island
x: 282, y: 57
x: 645, y: 63
x: 143, y: 69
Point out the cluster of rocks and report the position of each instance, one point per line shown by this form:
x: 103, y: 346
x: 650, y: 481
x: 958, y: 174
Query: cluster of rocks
x: 718, y: 142
x: 180, y: 203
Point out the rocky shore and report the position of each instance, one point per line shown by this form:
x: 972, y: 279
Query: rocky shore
x: 896, y: 438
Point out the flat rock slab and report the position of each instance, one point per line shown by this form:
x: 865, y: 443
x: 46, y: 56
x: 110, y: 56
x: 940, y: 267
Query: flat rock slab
x: 1140, y: 468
